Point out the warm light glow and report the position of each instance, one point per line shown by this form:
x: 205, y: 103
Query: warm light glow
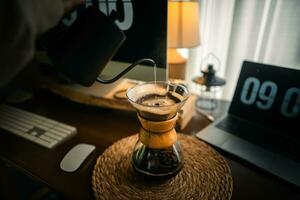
x: 183, y: 24
x: 174, y: 57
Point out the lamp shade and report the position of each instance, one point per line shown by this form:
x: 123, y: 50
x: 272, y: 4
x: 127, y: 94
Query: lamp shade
x: 183, y: 24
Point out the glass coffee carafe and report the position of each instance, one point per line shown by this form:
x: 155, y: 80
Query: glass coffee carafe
x: 157, y: 152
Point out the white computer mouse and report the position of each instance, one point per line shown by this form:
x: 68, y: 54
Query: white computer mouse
x: 75, y: 157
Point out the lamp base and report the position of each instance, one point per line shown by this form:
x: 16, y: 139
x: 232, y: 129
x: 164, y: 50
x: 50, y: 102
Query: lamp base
x: 177, y: 64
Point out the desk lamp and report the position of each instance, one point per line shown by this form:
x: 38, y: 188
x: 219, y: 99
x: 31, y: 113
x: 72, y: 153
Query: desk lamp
x: 183, y: 32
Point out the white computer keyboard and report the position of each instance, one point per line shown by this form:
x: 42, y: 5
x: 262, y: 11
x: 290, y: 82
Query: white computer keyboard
x: 40, y: 130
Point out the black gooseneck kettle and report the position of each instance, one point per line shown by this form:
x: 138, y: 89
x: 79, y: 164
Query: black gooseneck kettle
x: 82, y: 50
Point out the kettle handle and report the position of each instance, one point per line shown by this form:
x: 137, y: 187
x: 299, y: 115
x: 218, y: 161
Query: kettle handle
x: 143, y: 60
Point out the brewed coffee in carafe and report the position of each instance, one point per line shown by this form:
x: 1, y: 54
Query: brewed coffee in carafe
x: 157, y: 151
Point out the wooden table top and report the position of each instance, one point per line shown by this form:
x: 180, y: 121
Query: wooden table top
x: 102, y: 127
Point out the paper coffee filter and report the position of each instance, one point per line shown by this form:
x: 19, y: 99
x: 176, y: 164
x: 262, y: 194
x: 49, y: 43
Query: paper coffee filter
x: 162, y: 107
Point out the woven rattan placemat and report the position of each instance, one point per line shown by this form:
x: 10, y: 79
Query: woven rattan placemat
x: 205, y: 175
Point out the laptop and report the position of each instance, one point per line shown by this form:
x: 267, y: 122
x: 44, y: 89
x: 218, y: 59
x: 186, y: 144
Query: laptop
x: 262, y: 124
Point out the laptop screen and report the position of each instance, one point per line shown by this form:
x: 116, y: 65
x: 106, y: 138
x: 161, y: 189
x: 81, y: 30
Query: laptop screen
x: 269, y: 96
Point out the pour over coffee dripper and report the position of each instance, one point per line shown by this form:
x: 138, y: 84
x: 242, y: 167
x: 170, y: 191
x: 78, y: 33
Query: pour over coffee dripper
x: 157, y: 151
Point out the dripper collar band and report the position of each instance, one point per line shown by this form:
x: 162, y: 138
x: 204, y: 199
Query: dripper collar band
x: 158, y: 126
